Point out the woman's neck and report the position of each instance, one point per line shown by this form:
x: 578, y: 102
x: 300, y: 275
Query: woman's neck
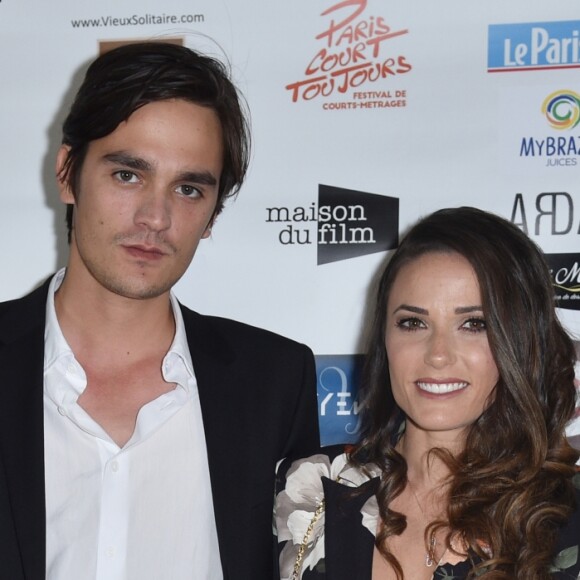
x: 426, y: 470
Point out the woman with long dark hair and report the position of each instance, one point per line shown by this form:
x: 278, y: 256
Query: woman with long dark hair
x: 463, y: 470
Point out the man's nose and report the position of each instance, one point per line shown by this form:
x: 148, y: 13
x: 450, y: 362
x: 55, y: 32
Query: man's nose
x: 154, y: 211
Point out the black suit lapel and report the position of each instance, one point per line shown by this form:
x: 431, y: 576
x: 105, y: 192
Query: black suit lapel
x: 22, y: 428
x: 224, y: 419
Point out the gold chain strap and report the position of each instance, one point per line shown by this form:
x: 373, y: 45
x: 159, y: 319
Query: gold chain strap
x: 304, y: 544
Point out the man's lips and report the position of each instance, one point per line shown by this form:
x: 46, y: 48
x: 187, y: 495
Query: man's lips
x: 145, y: 252
x: 441, y: 387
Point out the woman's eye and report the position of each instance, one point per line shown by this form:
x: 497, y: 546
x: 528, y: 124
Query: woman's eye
x: 410, y: 323
x: 475, y: 325
x: 189, y: 190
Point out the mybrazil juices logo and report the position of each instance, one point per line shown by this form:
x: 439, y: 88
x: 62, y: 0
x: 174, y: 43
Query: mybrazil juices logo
x: 562, y: 109
x: 533, y: 46
x: 561, y: 148
x: 358, y: 59
x: 344, y: 224
x: 565, y: 269
x: 338, y: 409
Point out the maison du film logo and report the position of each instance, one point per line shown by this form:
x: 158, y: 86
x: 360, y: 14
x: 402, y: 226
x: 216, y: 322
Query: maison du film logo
x: 561, y: 110
x: 344, y: 224
x: 356, y: 50
x: 533, y: 46
x: 565, y: 270
x: 338, y: 408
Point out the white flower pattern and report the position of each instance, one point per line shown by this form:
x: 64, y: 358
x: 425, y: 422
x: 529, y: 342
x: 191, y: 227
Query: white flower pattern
x: 297, y: 505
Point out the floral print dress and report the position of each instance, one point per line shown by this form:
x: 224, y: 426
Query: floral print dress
x: 327, y: 532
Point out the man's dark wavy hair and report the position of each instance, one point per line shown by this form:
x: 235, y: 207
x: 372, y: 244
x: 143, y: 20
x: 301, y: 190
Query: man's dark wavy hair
x: 511, y: 487
x: 128, y: 77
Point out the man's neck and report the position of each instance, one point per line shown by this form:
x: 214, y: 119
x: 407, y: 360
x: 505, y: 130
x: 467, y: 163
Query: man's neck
x: 100, y: 324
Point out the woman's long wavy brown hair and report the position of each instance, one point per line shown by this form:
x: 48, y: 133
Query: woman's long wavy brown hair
x: 510, y: 489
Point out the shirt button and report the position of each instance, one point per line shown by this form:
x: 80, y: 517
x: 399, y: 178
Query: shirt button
x: 110, y: 552
x: 115, y: 466
x: 71, y: 368
x: 62, y: 411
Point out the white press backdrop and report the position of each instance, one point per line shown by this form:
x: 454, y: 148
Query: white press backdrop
x: 422, y: 120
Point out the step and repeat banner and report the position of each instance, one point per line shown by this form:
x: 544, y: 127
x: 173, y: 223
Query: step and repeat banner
x: 366, y: 115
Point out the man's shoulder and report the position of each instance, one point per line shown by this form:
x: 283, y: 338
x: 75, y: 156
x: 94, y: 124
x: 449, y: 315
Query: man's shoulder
x: 233, y: 327
x: 18, y: 314
x: 35, y: 296
x: 240, y: 333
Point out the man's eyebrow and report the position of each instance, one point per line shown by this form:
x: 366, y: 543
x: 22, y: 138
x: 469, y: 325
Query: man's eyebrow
x: 127, y: 160
x: 201, y: 177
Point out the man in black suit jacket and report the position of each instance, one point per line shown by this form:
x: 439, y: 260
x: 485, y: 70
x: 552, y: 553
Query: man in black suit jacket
x: 90, y: 448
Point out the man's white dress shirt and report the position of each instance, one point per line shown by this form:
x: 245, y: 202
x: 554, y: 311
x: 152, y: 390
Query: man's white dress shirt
x: 141, y: 512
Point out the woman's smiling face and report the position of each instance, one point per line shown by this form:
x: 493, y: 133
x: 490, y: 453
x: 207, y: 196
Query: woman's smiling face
x: 441, y: 367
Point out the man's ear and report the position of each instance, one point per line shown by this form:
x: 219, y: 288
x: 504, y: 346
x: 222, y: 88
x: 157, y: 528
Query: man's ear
x: 210, y: 225
x: 62, y: 180
x: 207, y: 232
